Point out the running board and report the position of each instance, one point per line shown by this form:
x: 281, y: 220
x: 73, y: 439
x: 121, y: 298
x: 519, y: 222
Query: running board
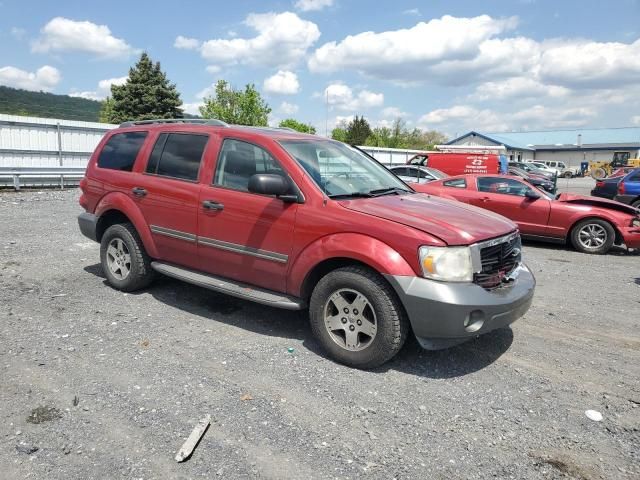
x: 230, y: 287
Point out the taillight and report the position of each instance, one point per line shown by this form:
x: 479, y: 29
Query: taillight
x: 599, y: 184
x: 621, y: 188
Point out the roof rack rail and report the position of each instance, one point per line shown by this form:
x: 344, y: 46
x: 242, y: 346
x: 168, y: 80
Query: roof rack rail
x: 198, y: 121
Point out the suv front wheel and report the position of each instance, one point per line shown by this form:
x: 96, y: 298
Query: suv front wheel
x: 124, y: 260
x: 357, y: 317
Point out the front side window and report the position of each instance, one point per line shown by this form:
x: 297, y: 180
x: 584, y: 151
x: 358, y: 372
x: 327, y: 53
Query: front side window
x: 121, y: 150
x: 239, y: 161
x: 177, y: 155
x: 504, y: 186
x: 342, y: 171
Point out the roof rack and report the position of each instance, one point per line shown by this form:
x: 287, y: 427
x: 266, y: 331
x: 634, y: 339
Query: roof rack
x: 198, y: 121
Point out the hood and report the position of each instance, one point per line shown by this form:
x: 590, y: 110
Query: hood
x: 597, y: 202
x: 453, y: 222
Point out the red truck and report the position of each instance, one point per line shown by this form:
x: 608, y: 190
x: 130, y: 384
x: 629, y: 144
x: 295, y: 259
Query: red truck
x: 298, y: 221
x: 459, y: 163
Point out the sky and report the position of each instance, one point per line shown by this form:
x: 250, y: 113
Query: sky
x: 448, y: 65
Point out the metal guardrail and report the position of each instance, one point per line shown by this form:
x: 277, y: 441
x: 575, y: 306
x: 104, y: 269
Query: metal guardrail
x: 14, y: 175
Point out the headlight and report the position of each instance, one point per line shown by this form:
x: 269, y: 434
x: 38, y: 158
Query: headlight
x: 635, y: 222
x: 449, y: 264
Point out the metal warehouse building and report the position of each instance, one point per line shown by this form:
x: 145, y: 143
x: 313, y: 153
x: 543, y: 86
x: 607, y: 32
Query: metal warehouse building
x: 569, y: 146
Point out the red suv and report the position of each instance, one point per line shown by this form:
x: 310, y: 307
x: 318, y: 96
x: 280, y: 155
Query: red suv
x: 299, y: 221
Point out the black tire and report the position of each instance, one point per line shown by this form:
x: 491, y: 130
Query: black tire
x: 140, y: 273
x: 567, y: 175
x: 390, y: 317
x: 598, y: 225
x: 636, y: 204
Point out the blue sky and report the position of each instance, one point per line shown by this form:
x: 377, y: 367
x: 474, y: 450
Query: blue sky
x: 446, y: 65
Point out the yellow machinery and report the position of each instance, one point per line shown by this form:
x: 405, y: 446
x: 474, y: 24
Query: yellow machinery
x: 600, y: 170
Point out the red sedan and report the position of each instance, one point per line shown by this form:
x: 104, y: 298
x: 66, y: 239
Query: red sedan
x: 592, y: 224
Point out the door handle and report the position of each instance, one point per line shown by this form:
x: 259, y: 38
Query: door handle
x: 211, y: 205
x: 138, y: 191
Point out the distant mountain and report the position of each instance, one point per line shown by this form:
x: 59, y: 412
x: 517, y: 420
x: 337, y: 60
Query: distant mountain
x: 40, y: 104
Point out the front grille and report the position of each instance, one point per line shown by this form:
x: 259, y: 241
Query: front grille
x: 498, y: 261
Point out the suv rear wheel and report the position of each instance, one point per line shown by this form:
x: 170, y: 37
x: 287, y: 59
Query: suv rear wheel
x: 593, y: 236
x: 357, y: 317
x: 124, y: 260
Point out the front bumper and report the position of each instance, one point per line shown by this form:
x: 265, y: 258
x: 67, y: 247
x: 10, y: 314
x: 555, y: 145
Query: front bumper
x: 630, y: 236
x: 444, y: 314
x: 88, y: 223
x: 625, y: 198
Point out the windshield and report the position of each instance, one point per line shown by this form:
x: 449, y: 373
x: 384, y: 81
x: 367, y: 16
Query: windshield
x: 437, y: 173
x: 343, y: 171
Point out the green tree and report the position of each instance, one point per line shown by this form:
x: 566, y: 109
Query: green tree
x: 340, y: 132
x: 239, y: 107
x: 106, y: 110
x: 147, y: 94
x: 297, y: 126
x: 358, y: 131
x: 399, y: 136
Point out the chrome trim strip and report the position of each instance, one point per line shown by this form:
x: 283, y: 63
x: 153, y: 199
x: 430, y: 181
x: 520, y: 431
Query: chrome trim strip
x: 168, y: 232
x: 234, y: 247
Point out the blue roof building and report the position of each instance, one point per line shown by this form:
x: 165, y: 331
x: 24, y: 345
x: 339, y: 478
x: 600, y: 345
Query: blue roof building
x: 570, y: 146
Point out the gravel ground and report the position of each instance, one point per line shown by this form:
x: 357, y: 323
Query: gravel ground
x: 100, y: 384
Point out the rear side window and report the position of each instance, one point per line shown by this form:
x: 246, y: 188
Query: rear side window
x: 456, y: 182
x: 177, y: 155
x: 121, y: 150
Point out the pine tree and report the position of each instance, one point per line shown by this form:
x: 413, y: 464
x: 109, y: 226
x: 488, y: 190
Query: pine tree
x: 147, y: 94
x: 358, y: 131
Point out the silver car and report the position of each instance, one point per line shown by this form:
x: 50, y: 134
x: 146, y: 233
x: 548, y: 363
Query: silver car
x: 417, y: 173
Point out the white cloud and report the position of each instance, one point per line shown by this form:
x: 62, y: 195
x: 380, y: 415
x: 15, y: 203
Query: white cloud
x: 401, y: 54
x: 63, y: 35
x: 312, y: 5
x: 635, y: 120
x: 463, y: 117
x: 412, y: 11
x: 45, y: 78
x: 213, y: 69
x: 585, y: 64
x: 186, y: 43
x: 282, y: 40
x: 192, y: 108
x: 103, y: 91
x: 519, y: 88
x: 342, y: 97
x: 554, y: 117
x: 288, y: 108
x: 283, y: 82
x: 393, y: 113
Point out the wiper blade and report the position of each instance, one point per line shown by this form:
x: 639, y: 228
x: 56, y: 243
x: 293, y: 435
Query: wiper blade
x: 386, y: 191
x: 350, y: 195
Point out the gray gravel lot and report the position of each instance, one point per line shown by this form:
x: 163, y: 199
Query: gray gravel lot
x: 123, y: 379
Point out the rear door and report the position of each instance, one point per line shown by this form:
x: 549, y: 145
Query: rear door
x: 168, y: 191
x: 506, y: 196
x: 242, y: 235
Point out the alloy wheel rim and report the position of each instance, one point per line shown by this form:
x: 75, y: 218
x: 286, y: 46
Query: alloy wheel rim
x: 350, y: 319
x: 592, y: 236
x: 118, y: 259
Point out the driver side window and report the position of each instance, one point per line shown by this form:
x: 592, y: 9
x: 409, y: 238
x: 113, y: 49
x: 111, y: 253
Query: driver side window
x: 505, y: 186
x: 238, y: 161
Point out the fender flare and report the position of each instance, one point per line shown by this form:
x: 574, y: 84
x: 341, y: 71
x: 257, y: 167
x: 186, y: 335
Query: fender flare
x: 120, y: 202
x: 355, y: 246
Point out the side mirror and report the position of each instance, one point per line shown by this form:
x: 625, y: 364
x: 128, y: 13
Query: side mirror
x: 532, y: 194
x: 269, y: 184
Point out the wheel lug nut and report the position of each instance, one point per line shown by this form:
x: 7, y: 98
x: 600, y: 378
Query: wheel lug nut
x: 352, y: 327
x: 355, y: 312
x: 346, y: 310
x: 359, y: 322
x: 344, y: 320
